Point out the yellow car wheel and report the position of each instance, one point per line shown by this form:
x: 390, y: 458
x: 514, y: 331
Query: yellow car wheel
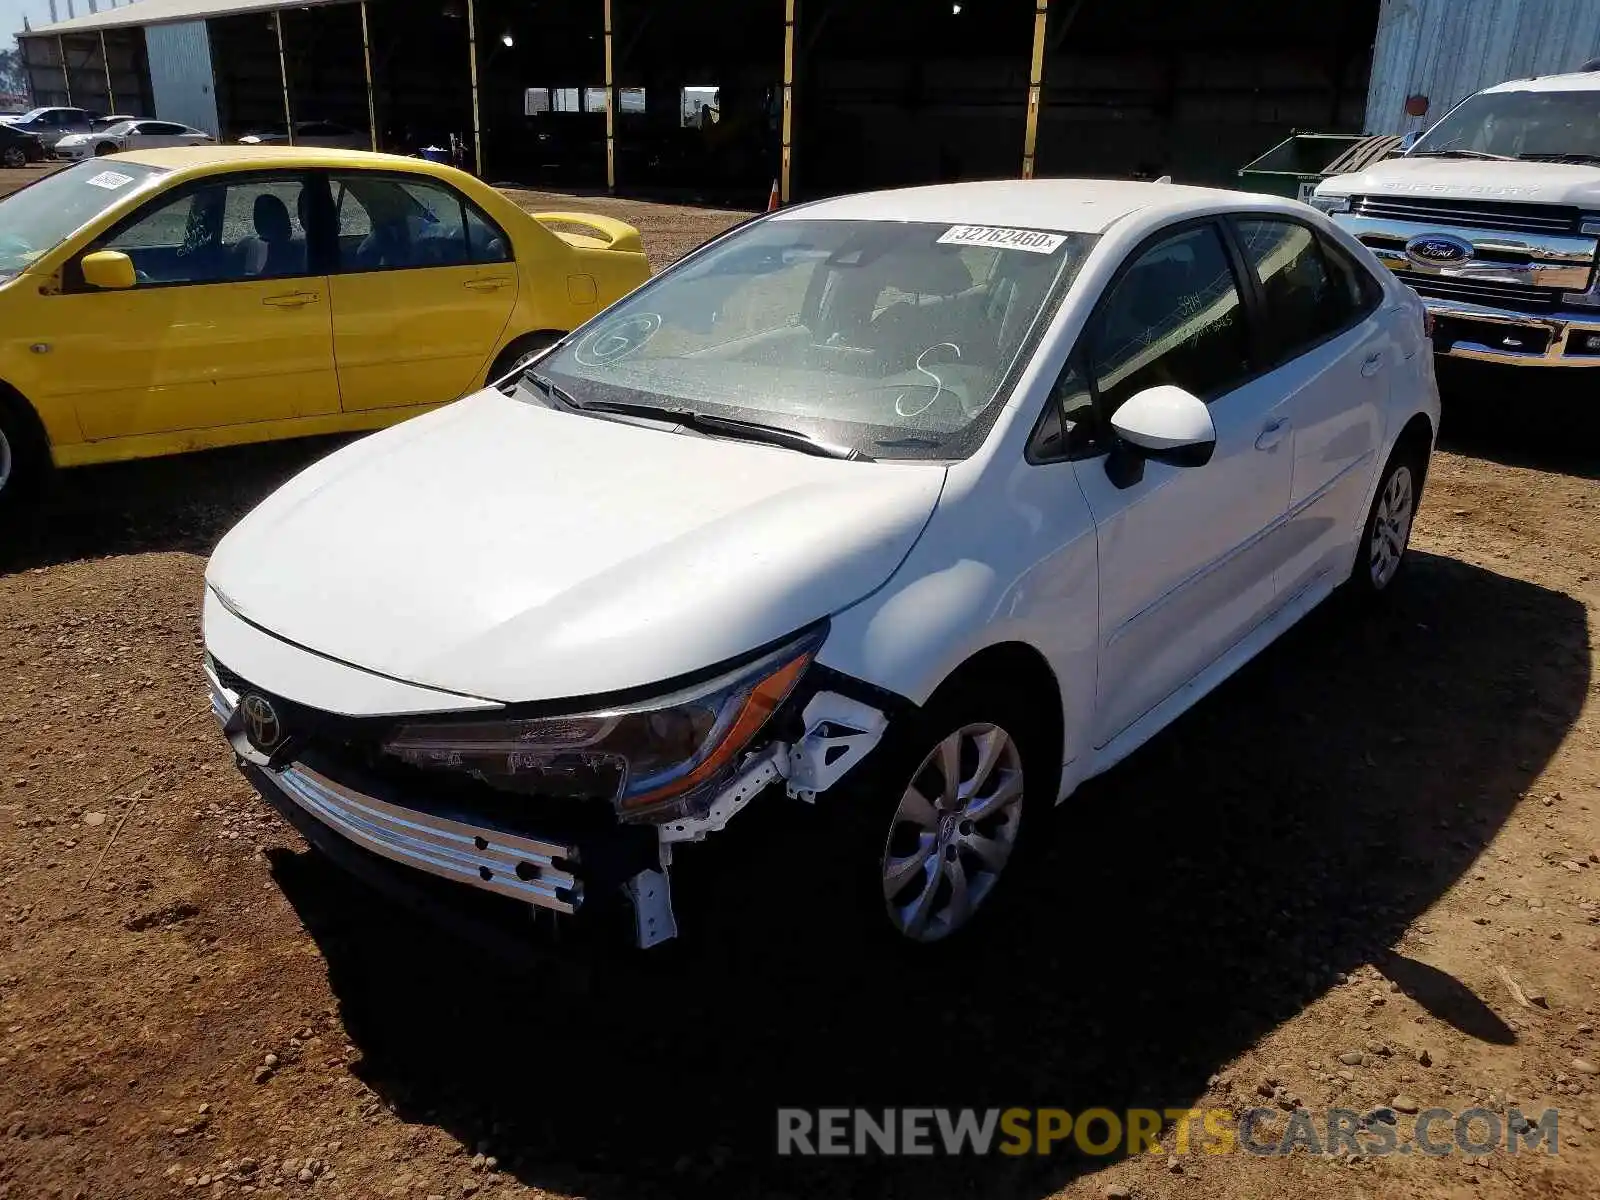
x: 24, y: 453
x: 508, y: 366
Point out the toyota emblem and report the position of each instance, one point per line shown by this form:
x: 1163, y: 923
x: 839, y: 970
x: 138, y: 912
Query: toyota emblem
x: 261, y: 723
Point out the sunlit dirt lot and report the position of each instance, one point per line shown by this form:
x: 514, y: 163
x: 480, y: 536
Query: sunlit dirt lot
x: 1364, y: 873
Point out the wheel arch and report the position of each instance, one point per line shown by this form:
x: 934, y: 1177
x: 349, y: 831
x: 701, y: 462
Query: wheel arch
x: 1417, y: 437
x: 511, y: 347
x: 1019, y: 667
x: 16, y: 404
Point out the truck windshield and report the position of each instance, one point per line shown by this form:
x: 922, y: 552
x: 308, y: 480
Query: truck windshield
x: 1537, y: 125
x: 889, y: 338
x: 39, y: 216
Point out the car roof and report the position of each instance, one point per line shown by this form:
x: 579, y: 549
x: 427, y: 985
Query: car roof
x: 1576, y: 81
x: 197, y: 158
x: 1065, y: 205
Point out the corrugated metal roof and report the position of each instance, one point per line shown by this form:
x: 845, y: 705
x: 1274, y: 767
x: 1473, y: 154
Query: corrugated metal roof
x: 158, y: 12
x: 1448, y: 49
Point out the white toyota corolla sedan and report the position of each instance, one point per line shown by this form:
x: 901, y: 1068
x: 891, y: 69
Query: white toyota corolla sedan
x: 921, y: 506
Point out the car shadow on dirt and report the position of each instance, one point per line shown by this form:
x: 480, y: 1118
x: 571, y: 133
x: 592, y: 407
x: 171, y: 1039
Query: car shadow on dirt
x: 185, y: 502
x: 1287, y: 830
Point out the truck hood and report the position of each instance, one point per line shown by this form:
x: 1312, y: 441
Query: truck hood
x: 1471, y: 179
x: 503, y: 550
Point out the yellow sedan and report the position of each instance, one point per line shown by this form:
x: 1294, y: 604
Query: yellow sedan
x: 171, y: 300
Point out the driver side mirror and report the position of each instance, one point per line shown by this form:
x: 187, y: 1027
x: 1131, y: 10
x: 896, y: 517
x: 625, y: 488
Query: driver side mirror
x: 1168, y: 425
x: 108, y: 269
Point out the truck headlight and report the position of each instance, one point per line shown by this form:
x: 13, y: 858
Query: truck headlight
x: 640, y: 757
x: 1330, y: 204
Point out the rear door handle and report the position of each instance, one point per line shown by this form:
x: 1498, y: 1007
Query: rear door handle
x: 292, y: 299
x: 1370, y: 364
x: 1272, y: 434
x: 487, y: 285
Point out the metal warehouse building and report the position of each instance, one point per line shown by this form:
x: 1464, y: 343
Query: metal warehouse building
x: 724, y: 96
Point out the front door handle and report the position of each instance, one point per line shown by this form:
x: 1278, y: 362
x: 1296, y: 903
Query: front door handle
x: 487, y: 285
x: 1370, y: 364
x: 1272, y: 434
x: 292, y: 299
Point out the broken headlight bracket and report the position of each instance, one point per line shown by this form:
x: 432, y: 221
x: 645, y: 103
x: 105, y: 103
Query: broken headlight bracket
x: 839, y: 733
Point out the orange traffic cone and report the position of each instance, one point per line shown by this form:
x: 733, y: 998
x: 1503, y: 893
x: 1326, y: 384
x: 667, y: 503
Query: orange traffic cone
x: 773, y: 202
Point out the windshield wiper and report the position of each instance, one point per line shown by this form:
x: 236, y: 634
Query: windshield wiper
x: 732, y: 427
x: 1560, y: 158
x: 1461, y: 154
x: 555, y: 393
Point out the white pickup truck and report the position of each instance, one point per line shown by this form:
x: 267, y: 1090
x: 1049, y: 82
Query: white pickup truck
x: 1493, y: 216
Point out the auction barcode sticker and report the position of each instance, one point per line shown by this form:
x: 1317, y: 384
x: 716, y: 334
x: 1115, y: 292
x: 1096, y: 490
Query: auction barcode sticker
x: 110, y: 180
x: 1030, y: 240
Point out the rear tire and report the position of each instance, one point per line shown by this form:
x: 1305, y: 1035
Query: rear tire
x: 518, y: 354
x: 1387, y: 533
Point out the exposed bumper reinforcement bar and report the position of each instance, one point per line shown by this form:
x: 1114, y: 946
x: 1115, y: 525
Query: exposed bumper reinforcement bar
x: 496, y: 860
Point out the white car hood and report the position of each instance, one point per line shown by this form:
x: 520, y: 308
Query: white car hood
x: 507, y: 551
x: 1471, y: 179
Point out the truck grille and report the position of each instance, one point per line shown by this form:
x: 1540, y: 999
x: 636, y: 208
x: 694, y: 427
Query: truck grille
x: 1479, y: 214
x: 1482, y: 291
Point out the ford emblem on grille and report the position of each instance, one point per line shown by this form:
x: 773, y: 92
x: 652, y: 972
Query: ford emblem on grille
x: 1437, y: 250
x: 261, y: 723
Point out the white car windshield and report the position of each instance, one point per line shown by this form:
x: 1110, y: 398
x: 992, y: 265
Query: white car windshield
x: 893, y: 339
x: 120, y: 128
x: 1546, y: 126
x: 37, y: 217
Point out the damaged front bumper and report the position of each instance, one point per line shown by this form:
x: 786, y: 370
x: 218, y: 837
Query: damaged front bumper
x: 566, y: 867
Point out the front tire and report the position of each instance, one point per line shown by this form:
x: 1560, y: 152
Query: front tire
x: 24, y: 458
x: 1387, y: 534
x: 14, y: 157
x: 103, y: 149
x: 948, y: 815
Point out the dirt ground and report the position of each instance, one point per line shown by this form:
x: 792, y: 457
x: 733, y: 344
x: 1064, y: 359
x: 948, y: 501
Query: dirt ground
x: 1364, y: 872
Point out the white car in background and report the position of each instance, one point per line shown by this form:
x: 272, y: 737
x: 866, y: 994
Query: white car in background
x: 327, y: 135
x: 131, y: 135
x: 923, y: 506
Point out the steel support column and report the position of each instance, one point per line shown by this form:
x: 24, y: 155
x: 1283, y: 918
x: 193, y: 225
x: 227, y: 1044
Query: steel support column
x: 472, y: 63
x: 66, y: 75
x: 105, y: 61
x: 366, y: 63
x: 1030, y: 134
x: 283, y: 74
x: 611, y: 108
x: 786, y: 150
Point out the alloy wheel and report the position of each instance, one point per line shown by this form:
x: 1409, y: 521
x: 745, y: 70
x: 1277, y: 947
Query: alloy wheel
x: 1391, y: 527
x: 953, y: 832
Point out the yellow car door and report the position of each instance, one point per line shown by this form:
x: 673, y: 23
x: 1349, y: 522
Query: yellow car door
x: 226, y: 322
x: 422, y: 288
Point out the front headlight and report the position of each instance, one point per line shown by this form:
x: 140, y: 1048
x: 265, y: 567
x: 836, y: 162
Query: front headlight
x: 641, y: 757
x: 1330, y: 204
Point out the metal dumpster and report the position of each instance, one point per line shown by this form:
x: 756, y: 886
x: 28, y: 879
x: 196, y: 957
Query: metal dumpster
x: 1297, y: 164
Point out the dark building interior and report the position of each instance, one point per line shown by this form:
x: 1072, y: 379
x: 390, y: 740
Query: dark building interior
x: 886, y: 92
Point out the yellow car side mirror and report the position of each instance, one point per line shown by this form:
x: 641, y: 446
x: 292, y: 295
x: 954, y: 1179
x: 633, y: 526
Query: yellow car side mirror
x: 108, y: 269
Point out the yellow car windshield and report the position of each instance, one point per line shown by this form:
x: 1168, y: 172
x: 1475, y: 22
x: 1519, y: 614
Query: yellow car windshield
x: 39, y: 216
